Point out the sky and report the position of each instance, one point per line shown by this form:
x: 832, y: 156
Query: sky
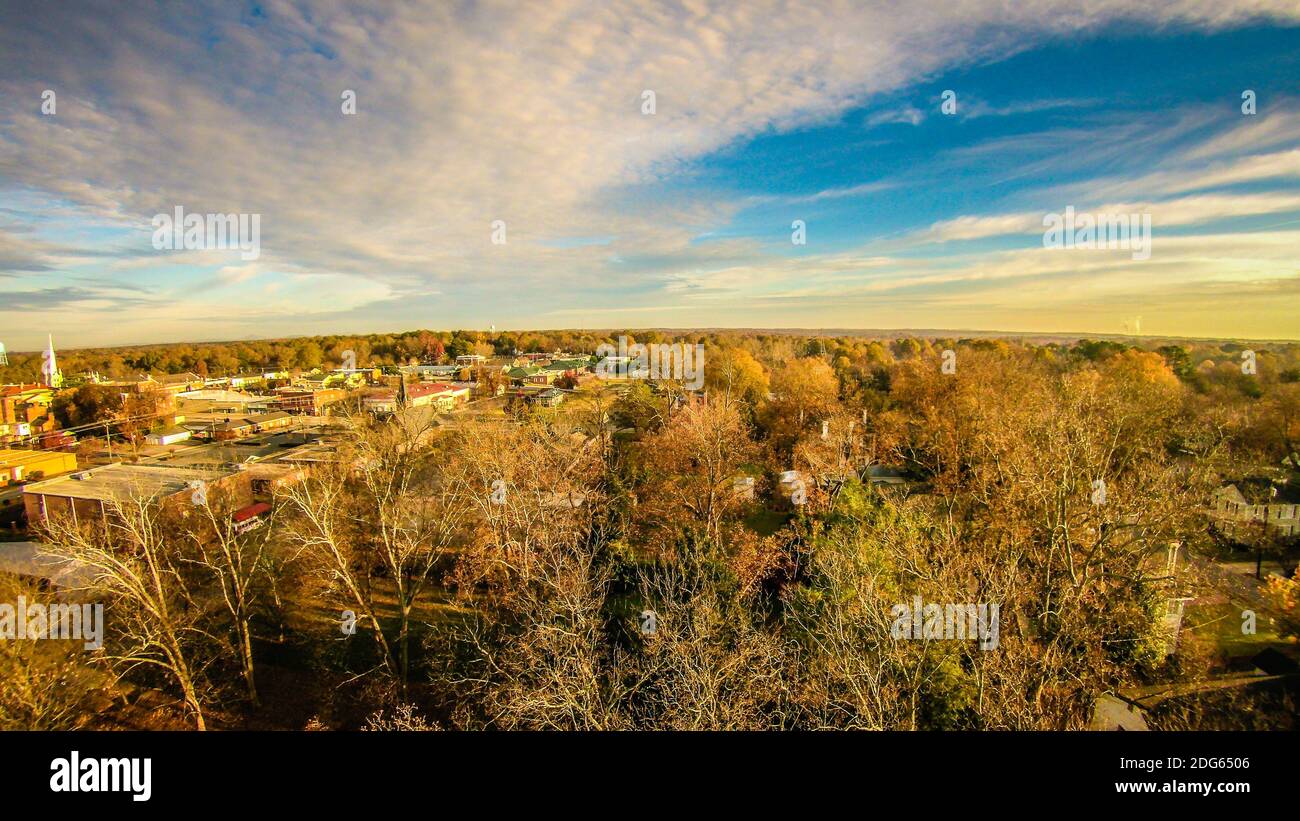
x: 504, y: 167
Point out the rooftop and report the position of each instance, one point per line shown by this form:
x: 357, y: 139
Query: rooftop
x: 429, y: 389
x: 120, y: 481
x: 16, y: 390
x: 170, y: 430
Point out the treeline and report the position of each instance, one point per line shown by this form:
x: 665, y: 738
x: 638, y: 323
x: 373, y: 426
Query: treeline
x: 226, y: 358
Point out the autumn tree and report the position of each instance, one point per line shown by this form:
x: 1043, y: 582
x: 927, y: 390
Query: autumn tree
x: 1061, y: 485
x: 735, y: 373
x: 805, y: 393
x: 690, y: 465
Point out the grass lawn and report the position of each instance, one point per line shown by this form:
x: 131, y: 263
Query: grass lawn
x: 1223, y: 623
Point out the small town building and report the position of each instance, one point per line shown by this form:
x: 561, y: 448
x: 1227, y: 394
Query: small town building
x: 89, y: 493
x: 29, y: 465
x: 549, y: 398
x: 251, y: 517
x: 168, y: 436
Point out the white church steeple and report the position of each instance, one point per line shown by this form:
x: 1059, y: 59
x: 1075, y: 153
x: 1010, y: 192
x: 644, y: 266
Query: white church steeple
x: 50, y: 367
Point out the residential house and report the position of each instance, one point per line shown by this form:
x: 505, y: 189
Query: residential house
x: 531, y: 375
x: 1233, y: 514
x: 549, y: 398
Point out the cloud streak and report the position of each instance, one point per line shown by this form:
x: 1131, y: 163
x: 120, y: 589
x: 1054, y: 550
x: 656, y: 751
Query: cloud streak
x: 468, y: 114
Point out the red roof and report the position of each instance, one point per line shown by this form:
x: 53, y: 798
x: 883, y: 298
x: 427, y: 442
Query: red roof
x: 252, y: 511
x: 428, y: 389
x: 14, y: 390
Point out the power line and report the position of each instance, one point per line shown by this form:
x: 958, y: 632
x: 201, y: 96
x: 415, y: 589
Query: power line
x: 90, y: 426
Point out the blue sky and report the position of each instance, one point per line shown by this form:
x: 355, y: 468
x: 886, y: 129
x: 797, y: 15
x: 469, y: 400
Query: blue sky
x: 472, y: 113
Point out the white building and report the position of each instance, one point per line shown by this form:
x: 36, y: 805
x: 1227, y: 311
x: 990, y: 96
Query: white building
x: 167, y: 436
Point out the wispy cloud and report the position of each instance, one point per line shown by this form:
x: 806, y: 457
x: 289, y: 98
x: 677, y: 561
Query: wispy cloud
x: 471, y: 114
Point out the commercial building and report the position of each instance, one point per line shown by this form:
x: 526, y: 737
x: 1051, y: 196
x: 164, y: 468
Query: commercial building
x: 251, y: 517
x: 176, y: 383
x: 268, y: 477
x: 91, y: 493
x: 28, y: 465
x: 381, y: 401
x: 435, y: 371
x: 442, y: 395
x: 241, y: 426
x: 310, y: 402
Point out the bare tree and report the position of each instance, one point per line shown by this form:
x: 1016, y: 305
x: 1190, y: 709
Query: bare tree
x: 134, y: 562
x: 542, y: 659
x: 235, y: 563
x: 387, y: 510
x: 703, y: 661
x: 410, y: 506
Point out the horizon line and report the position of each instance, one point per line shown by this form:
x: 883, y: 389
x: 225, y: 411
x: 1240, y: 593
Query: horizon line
x: 831, y: 331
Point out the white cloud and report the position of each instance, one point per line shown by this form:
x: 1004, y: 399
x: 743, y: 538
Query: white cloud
x: 469, y: 114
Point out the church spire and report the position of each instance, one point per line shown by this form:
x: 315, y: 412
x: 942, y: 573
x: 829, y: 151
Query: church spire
x: 50, y: 367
